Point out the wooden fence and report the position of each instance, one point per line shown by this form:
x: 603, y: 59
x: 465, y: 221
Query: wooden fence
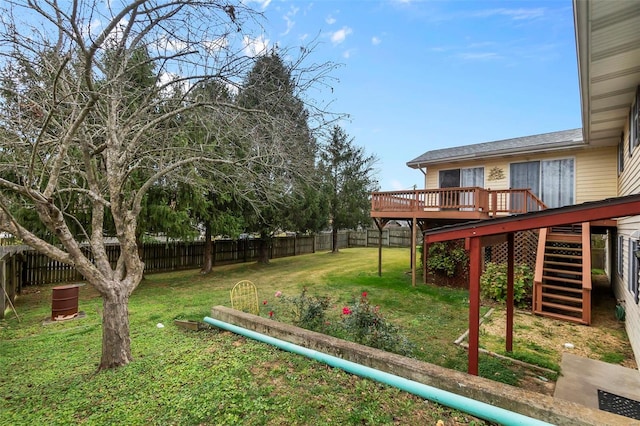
x: 22, y: 266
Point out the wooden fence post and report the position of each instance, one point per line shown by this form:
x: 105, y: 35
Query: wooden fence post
x: 3, y: 285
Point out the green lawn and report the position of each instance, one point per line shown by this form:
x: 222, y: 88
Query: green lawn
x: 48, y: 373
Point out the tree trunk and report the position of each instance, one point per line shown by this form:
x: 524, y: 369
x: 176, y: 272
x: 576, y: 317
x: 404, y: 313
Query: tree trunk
x: 116, y: 343
x: 207, y: 264
x: 334, y: 239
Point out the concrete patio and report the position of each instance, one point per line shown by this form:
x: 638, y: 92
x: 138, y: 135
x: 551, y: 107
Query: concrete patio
x: 582, y: 378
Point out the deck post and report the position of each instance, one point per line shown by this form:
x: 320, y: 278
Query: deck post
x: 379, y: 251
x: 510, y: 282
x: 475, y: 267
x: 380, y: 223
x: 413, y: 252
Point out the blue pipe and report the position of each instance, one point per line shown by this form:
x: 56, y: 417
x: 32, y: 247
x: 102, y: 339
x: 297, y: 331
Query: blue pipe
x: 458, y: 402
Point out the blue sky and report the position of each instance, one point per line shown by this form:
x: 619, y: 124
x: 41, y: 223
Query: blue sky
x: 423, y: 75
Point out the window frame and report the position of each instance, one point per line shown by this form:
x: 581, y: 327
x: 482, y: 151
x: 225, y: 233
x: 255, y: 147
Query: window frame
x: 620, y: 256
x: 621, y: 154
x: 633, y: 270
x: 634, y: 122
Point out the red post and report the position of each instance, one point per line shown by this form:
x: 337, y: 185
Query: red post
x: 475, y: 268
x: 510, y: 281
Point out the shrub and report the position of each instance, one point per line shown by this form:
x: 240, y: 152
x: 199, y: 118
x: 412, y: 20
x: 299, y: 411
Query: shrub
x: 307, y: 312
x: 447, y: 258
x: 366, y: 325
x: 493, y: 282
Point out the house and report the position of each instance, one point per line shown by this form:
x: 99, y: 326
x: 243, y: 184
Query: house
x: 559, y: 167
x: 550, y: 179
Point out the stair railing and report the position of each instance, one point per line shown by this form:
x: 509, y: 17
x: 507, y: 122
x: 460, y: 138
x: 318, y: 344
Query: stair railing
x: 586, y: 272
x: 537, y: 275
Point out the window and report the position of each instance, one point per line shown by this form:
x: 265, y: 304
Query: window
x: 633, y: 270
x: 525, y: 176
x: 450, y: 178
x: 551, y: 180
x: 457, y: 178
x: 620, y: 257
x: 556, y: 182
x: 634, y: 122
x: 637, y: 132
x: 472, y: 177
x: 621, y: 155
x: 461, y: 178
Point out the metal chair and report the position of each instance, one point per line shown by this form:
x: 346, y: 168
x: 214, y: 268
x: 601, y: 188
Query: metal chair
x: 244, y: 297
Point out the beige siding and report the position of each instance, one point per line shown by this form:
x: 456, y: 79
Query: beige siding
x: 629, y: 228
x: 490, y: 180
x: 595, y: 178
x: 596, y: 174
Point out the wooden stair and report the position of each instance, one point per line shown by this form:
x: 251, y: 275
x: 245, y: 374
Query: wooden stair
x: 562, y: 280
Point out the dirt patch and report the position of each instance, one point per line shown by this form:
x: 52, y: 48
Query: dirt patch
x: 556, y: 337
x: 605, y: 339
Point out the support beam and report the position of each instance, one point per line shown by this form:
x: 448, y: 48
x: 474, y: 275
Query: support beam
x: 413, y: 252
x: 510, y: 282
x: 475, y: 269
x: 380, y: 223
x: 379, y: 252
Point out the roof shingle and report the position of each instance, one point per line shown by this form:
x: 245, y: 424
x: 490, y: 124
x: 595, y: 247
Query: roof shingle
x: 545, y: 141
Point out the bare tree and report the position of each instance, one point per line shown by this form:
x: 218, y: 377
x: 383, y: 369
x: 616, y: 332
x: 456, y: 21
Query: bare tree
x: 98, y: 106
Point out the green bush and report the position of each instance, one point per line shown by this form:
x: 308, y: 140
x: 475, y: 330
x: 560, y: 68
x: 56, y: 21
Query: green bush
x: 307, y: 311
x: 446, y: 258
x: 360, y: 322
x: 366, y: 325
x: 493, y: 282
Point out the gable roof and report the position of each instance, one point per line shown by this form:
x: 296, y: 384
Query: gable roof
x: 527, y: 144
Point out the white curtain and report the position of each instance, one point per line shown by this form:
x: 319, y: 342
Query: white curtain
x: 470, y: 178
x: 556, y: 180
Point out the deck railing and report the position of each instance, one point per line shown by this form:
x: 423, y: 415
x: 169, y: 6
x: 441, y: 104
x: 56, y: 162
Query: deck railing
x: 493, y: 202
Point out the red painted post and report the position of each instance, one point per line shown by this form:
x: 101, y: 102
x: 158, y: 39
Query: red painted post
x: 510, y: 282
x: 475, y: 267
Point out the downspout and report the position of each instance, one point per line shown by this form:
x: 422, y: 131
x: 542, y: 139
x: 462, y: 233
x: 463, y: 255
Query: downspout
x: 458, y: 402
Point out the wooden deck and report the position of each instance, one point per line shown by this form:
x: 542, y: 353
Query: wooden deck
x: 453, y: 203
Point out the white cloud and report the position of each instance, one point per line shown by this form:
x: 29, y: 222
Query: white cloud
x: 171, y: 44
x: 479, y: 56
x: 93, y: 28
x: 375, y: 40
x: 515, y: 14
x: 339, y: 36
x: 330, y: 20
x: 216, y: 45
x: 255, y: 46
x: 347, y: 53
x: 288, y: 18
x: 263, y: 3
x: 171, y: 83
x: 396, y: 185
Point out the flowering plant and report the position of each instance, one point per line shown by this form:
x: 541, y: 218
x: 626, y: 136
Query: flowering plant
x: 306, y: 311
x: 367, y: 326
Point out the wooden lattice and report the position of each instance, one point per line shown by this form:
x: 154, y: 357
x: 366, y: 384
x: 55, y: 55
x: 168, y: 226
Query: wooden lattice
x: 525, y: 248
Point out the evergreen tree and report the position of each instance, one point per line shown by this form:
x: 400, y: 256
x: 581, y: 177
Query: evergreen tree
x: 348, y: 182
x: 270, y: 89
